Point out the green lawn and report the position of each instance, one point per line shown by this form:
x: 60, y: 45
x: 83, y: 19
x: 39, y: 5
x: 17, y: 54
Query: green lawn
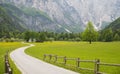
x: 107, y: 52
x: 5, y: 46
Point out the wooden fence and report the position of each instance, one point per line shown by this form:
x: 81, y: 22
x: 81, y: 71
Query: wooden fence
x: 78, y: 61
x: 8, y: 69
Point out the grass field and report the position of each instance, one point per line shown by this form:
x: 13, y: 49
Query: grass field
x: 5, y: 46
x: 107, y: 52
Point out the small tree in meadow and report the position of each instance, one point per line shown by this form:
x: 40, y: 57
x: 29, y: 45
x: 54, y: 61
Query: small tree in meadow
x: 90, y: 34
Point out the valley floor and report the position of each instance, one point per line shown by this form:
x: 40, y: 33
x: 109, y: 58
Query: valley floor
x: 107, y: 52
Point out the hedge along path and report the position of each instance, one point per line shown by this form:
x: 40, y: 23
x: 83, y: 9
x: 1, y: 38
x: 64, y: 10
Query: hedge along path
x: 30, y: 65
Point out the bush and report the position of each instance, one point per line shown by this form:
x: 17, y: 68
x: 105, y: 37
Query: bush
x: 77, y: 39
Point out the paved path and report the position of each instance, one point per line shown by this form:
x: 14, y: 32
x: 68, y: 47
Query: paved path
x: 31, y: 65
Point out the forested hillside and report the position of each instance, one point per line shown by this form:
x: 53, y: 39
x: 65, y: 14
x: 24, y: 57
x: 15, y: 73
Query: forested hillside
x: 111, y: 32
x: 7, y: 24
x: 115, y: 25
x: 30, y: 18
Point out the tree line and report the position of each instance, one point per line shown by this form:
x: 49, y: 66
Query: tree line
x: 90, y: 34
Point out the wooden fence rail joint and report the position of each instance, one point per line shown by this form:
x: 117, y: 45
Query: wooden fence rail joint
x: 78, y: 61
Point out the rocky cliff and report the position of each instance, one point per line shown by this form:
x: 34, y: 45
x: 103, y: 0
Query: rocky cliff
x: 70, y: 15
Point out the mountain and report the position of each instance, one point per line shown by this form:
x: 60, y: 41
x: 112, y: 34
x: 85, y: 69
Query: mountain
x: 7, y: 24
x: 115, y: 25
x: 29, y: 18
x: 112, y: 31
x: 67, y: 15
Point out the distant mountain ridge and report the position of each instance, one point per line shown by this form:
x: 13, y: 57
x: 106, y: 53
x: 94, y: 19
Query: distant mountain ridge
x: 30, y: 18
x: 67, y: 15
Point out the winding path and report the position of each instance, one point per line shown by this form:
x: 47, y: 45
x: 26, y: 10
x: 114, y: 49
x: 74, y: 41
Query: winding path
x: 30, y: 65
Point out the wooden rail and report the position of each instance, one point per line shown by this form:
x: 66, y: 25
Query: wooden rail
x: 8, y: 69
x: 78, y: 60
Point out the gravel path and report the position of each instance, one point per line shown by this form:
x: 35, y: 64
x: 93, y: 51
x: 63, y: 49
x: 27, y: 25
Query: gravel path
x: 31, y: 65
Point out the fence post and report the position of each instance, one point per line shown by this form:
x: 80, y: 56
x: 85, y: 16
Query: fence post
x: 65, y: 60
x: 5, y: 65
x: 44, y: 56
x: 10, y: 70
x: 78, y: 62
x: 55, y: 58
x: 97, y: 62
x: 50, y: 57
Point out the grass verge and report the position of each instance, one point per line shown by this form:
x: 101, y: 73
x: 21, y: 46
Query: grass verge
x: 8, y: 46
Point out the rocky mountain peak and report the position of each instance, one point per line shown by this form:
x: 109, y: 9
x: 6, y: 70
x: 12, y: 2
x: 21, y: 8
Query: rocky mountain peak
x: 72, y: 15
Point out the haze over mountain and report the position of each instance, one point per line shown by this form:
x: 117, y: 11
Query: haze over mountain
x: 66, y: 15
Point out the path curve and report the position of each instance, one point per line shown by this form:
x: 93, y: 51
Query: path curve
x: 30, y: 65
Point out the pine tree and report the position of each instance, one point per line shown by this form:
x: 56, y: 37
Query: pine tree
x: 108, y: 35
x: 41, y: 37
x: 116, y: 37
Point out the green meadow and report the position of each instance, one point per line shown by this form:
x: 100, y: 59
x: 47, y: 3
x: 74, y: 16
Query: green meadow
x: 8, y: 46
x: 107, y: 52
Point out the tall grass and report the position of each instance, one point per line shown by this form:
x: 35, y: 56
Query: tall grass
x: 107, y: 52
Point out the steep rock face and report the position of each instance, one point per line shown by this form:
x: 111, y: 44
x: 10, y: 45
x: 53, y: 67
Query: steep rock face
x: 29, y: 18
x: 72, y: 15
x: 37, y: 20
